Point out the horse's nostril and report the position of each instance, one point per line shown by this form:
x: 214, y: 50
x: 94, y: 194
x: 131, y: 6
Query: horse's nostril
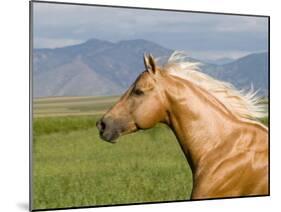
x: 101, y: 126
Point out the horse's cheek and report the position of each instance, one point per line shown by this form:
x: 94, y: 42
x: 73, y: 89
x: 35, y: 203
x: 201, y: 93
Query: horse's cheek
x: 144, y: 119
x: 140, y: 119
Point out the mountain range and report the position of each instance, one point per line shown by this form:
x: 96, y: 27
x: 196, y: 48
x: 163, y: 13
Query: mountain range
x: 98, y: 68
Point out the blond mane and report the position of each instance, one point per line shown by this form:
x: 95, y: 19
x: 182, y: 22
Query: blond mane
x: 241, y: 103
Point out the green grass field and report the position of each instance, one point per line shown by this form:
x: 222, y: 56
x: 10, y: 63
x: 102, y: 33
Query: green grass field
x: 72, y: 166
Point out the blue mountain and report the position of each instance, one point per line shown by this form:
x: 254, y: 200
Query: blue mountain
x: 99, y: 67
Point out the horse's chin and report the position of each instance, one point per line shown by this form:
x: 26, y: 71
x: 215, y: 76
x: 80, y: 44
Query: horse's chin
x: 110, y: 137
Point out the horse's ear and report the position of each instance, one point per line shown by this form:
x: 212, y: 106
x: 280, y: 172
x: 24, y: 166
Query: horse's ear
x: 145, y: 61
x: 149, y: 63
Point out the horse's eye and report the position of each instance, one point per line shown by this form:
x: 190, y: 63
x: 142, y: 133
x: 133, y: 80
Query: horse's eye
x: 138, y: 92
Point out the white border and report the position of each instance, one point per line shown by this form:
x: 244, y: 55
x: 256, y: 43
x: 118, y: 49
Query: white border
x: 15, y: 104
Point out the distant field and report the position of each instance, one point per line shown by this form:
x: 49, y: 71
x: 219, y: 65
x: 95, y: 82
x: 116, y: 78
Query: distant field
x: 72, y: 166
x: 64, y: 106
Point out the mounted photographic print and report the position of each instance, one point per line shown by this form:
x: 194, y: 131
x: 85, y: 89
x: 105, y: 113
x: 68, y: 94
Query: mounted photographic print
x: 139, y: 105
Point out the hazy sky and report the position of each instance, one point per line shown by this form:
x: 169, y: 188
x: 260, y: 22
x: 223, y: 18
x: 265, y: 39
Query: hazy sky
x: 205, y: 36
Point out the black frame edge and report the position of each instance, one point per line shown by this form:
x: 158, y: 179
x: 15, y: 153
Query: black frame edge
x: 30, y: 103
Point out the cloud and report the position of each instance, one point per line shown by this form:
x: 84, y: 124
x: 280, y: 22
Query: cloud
x: 214, y: 55
x: 176, y: 30
x: 54, y: 42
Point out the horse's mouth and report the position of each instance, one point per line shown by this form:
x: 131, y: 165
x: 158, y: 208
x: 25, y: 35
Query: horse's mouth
x: 110, y: 137
x: 113, y: 135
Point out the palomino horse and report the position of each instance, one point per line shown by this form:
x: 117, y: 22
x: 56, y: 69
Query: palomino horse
x: 214, y: 123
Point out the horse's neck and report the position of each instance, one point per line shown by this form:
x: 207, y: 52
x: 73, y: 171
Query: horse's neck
x: 199, y: 122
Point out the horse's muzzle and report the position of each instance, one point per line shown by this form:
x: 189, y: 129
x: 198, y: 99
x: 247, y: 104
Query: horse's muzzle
x: 108, y: 130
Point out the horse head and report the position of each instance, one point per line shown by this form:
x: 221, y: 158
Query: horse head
x: 140, y: 107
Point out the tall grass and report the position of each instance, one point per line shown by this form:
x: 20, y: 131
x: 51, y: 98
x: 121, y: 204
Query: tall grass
x: 73, y: 167
x: 65, y: 124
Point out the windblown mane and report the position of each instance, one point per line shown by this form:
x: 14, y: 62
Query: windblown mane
x: 241, y: 103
